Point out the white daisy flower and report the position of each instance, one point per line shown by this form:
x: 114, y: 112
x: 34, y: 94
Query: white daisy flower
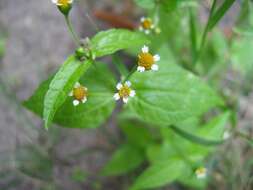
x: 146, y: 25
x: 201, y: 173
x: 64, y: 5
x: 62, y: 2
x: 124, y: 92
x: 146, y: 61
x: 79, y: 94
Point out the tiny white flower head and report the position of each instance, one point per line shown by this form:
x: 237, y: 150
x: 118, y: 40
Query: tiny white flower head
x: 79, y: 94
x: 201, y: 173
x: 62, y: 2
x: 64, y: 5
x: 146, y: 25
x: 226, y: 135
x: 147, y: 61
x: 124, y: 92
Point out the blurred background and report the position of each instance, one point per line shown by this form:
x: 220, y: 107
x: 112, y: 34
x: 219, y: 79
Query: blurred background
x: 34, y: 41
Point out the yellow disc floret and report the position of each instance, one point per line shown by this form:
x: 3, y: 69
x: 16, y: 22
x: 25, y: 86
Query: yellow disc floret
x: 146, y: 60
x: 80, y: 93
x: 124, y: 91
x: 201, y: 172
x: 64, y: 5
x: 64, y: 2
x: 147, y: 24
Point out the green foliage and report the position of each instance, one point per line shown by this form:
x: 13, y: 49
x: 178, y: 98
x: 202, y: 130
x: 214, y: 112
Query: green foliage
x: 159, y: 174
x: 108, y: 42
x: 124, y: 160
x: 241, y: 55
x: 93, y: 112
x: 61, y: 85
x: 170, y: 95
x: 220, y: 13
x: 137, y: 133
x: 179, y: 113
x: 146, y: 4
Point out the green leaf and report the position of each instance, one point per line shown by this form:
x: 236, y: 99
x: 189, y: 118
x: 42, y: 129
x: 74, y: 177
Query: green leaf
x: 110, y: 41
x: 159, y: 174
x: 169, y: 5
x: 124, y: 160
x: 170, y: 95
x: 61, y: 85
x: 137, y: 133
x: 217, y: 16
x: 146, y: 4
x: 241, y: 54
x: 215, y: 128
x: 121, y: 67
x: 99, y: 106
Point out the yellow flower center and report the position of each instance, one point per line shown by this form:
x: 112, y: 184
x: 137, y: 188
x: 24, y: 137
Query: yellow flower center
x: 146, y: 60
x: 146, y: 24
x: 63, y: 2
x: 80, y: 92
x: 124, y: 92
x: 200, y: 171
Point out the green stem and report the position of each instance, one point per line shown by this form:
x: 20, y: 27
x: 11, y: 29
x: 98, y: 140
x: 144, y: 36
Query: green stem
x: 195, y: 139
x: 119, y: 65
x: 130, y: 73
x: 193, y: 36
x: 72, y: 31
x: 204, y: 36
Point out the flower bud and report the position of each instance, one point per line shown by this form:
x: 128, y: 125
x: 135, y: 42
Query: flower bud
x: 64, y: 5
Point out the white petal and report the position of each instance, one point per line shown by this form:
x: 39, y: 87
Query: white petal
x: 145, y: 49
x: 55, y: 1
x: 71, y: 93
x: 128, y: 83
x: 125, y: 100
x: 77, y: 84
x: 132, y: 93
x: 140, y: 69
x: 76, y: 102
x: 84, y: 100
x: 119, y: 86
x: 156, y: 58
x: 154, y: 67
x: 116, y: 96
x: 201, y: 176
x: 147, y: 31
x: 226, y: 135
x: 141, y: 28
x: 143, y: 19
x: 152, y: 26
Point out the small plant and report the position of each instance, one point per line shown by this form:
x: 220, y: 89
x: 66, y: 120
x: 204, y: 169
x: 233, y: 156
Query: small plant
x: 171, y: 118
